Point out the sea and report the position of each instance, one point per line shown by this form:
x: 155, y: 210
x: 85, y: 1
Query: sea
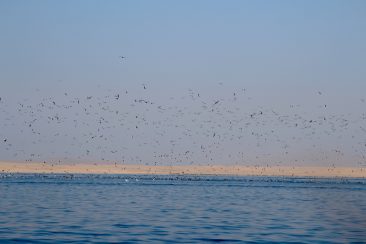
x: 64, y: 208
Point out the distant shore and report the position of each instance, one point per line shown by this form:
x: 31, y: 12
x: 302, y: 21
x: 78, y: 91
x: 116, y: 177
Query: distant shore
x: 104, y: 168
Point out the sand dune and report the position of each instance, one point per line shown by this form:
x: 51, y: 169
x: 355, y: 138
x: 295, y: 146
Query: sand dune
x: 26, y: 167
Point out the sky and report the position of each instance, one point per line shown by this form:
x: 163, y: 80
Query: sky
x: 290, y: 62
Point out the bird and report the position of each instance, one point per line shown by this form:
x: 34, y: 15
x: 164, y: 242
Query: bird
x: 101, y: 122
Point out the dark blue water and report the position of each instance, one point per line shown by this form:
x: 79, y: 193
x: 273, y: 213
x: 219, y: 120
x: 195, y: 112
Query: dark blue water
x: 64, y: 208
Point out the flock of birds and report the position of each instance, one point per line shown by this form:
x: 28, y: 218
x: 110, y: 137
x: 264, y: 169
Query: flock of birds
x: 193, y: 128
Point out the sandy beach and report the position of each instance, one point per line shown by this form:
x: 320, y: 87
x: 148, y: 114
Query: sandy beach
x: 85, y: 168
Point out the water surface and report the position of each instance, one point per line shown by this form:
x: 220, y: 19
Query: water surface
x: 119, y: 208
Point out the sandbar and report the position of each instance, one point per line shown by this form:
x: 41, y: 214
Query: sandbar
x: 109, y: 168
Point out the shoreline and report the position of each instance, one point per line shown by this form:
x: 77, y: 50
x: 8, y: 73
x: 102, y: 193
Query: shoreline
x: 219, y: 170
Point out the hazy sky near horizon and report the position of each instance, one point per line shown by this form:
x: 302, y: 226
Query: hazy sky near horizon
x: 285, y: 54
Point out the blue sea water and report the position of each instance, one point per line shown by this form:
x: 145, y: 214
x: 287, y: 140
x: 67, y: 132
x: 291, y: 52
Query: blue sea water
x: 180, y: 209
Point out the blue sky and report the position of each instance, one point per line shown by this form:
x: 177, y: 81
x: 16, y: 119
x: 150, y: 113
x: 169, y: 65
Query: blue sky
x: 266, y: 42
x: 281, y: 52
